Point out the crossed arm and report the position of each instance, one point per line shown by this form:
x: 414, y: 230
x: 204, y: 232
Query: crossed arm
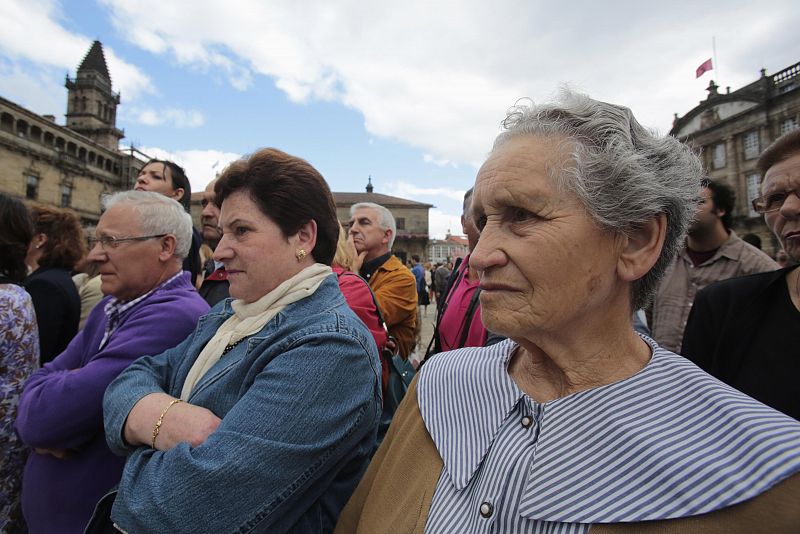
x: 281, y: 442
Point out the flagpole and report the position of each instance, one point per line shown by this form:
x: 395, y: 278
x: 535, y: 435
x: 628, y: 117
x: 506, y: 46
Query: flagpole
x: 716, y: 64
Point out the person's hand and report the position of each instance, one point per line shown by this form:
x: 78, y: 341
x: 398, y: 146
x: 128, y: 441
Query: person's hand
x: 182, y: 423
x: 186, y: 423
x: 358, y: 257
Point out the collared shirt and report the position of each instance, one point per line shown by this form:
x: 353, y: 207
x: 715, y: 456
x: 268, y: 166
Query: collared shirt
x: 682, y: 281
x: 114, y: 309
x: 369, y: 267
x: 670, y: 441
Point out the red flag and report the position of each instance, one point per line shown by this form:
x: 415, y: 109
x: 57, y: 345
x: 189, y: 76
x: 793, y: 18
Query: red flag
x: 706, y: 65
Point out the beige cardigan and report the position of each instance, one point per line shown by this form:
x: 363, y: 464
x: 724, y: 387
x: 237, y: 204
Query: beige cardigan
x: 394, y: 497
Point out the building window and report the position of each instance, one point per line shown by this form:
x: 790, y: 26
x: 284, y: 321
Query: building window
x: 718, y: 156
x: 66, y: 196
x: 751, y: 148
x: 788, y: 125
x: 31, y: 187
x: 753, y: 183
x: 400, y: 222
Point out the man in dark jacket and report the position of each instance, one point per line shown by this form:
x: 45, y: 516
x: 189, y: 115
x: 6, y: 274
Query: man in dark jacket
x: 215, y: 285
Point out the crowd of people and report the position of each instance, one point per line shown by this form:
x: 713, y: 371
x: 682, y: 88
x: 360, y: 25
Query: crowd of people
x: 609, y: 355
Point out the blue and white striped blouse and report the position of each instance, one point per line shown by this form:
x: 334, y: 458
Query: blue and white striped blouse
x: 670, y: 441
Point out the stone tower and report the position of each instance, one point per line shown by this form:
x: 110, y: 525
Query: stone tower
x: 91, y: 104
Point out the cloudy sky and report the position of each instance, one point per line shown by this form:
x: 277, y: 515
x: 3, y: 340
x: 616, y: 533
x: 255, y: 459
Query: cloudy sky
x: 410, y: 93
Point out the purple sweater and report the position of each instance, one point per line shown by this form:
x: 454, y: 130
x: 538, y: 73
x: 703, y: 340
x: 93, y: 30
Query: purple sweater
x: 61, y: 406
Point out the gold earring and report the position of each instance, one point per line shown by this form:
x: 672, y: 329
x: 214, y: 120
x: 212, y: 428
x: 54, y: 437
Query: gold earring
x: 300, y: 254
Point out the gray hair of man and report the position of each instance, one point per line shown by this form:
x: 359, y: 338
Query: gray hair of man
x: 623, y: 174
x: 465, y: 207
x: 158, y: 214
x: 385, y: 217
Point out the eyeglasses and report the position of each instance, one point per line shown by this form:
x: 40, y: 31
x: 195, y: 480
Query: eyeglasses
x: 107, y: 242
x: 773, y: 201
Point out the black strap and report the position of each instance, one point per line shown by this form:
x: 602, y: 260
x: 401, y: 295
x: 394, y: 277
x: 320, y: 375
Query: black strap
x: 453, y: 281
x: 467, y: 324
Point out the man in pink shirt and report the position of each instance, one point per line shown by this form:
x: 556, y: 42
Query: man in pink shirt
x: 459, y: 322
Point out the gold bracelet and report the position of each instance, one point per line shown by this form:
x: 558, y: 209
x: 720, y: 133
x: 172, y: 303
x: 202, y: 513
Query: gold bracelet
x: 160, y: 421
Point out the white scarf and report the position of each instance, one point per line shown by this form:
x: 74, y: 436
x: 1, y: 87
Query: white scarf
x: 247, y: 319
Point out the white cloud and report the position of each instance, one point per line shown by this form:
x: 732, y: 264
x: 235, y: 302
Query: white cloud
x: 32, y: 31
x: 437, y: 76
x: 440, y: 76
x: 32, y: 89
x: 179, y: 118
x: 405, y: 189
x: 201, y: 165
x: 441, y: 223
x: 441, y: 162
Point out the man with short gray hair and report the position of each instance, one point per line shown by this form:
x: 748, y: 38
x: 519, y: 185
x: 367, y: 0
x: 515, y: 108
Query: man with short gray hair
x: 372, y: 231
x: 151, y: 305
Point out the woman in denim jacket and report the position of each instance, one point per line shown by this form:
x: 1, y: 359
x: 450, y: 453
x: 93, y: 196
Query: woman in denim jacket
x: 264, y: 419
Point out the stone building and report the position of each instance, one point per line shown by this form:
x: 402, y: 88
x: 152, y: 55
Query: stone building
x: 447, y: 249
x: 731, y: 129
x: 69, y: 166
x: 411, y: 218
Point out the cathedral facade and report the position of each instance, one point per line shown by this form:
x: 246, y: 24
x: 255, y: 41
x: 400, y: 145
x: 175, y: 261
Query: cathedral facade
x: 69, y: 166
x: 731, y: 129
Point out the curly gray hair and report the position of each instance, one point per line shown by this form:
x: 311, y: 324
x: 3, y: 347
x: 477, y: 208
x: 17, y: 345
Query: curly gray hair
x: 623, y: 174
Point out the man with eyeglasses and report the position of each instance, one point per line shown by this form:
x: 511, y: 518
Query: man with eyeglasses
x: 151, y: 305
x: 712, y: 252
x: 215, y: 285
x: 746, y: 331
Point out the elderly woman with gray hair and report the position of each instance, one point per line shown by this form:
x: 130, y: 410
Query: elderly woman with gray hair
x: 576, y: 423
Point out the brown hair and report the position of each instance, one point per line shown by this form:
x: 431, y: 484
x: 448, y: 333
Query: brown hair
x: 782, y: 148
x: 16, y: 232
x: 177, y: 174
x: 64, y: 246
x: 289, y: 191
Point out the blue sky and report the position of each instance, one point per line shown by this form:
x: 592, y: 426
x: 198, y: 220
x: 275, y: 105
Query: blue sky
x: 411, y: 93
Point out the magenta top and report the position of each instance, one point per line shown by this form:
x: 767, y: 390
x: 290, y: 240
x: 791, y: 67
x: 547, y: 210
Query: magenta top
x: 452, y: 323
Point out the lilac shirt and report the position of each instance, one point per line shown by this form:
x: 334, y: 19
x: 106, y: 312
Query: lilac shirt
x: 61, y: 405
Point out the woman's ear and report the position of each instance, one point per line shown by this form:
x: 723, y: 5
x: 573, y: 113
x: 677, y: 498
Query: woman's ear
x: 39, y: 240
x: 306, y: 236
x: 642, y: 248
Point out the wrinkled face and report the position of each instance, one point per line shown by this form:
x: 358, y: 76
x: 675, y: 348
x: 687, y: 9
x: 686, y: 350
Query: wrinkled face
x: 157, y: 177
x: 544, y: 266
x: 210, y: 217
x: 706, y: 215
x: 367, y: 233
x: 255, y: 252
x: 130, y: 269
x: 785, y: 222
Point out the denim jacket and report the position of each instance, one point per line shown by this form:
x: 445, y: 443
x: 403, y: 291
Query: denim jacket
x: 299, y: 402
